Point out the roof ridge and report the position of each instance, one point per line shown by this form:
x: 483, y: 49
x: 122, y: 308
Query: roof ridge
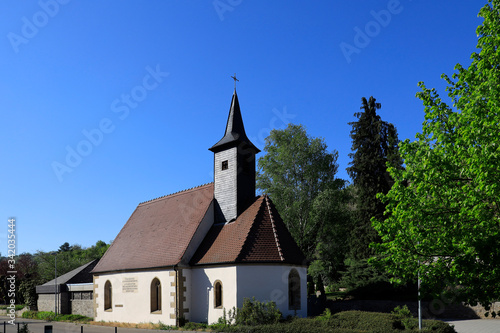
x: 174, y: 193
x: 274, y: 228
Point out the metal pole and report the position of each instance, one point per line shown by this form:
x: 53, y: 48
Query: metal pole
x: 81, y: 329
x: 17, y: 327
x: 419, y: 304
x: 116, y: 329
x: 55, y: 283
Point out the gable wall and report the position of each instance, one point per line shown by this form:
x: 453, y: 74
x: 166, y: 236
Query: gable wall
x: 132, y: 304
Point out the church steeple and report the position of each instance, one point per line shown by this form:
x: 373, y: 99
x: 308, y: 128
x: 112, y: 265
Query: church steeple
x: 234, y: 167
x: 235, y: 131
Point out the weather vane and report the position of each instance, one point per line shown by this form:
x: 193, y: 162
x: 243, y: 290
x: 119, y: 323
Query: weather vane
x: 235, y: 79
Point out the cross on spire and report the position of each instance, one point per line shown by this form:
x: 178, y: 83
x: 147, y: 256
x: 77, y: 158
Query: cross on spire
x: 235, y: 79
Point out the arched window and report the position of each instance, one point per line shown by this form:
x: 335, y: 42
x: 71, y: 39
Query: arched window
x: 293, y: 290
x: 155, y: 295
x: 218, y: 294
x: 108, y: 303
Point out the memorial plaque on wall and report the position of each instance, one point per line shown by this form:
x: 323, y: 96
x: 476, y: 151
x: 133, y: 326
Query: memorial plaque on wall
x: 130, y: 285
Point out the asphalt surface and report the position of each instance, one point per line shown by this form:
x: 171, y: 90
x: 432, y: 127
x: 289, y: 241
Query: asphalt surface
x: 476, y: 325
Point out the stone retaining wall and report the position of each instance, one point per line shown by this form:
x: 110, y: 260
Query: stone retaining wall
x: 84, y: 307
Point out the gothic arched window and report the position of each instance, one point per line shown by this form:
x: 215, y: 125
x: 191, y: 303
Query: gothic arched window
x: 108, y: 303
x: 293, y: 290
x: 218, y: 294
x: 155, y: 295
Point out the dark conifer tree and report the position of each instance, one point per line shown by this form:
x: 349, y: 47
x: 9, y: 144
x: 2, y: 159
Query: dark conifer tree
x: 374, y: 143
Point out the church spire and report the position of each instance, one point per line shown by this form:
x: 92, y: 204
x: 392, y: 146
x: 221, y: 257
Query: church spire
x: 235, y: 131
x: 234, y: 167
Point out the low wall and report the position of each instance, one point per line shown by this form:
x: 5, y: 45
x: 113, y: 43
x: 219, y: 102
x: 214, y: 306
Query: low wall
x: 84, y: 307
x: 46, y: 302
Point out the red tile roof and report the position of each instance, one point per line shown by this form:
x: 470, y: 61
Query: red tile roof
x: 158, y: 232
x: 258, y: 235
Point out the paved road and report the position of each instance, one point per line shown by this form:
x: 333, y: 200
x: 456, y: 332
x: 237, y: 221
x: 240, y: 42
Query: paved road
x: 476, y: 325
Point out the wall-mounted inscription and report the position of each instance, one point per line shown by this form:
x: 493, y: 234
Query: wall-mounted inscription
x: 130, y: 285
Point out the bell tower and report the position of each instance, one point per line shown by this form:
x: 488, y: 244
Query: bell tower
x: 234, y: 167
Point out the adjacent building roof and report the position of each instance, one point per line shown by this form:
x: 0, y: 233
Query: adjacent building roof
x: 81, y: 274
x: 158, y: 232
x: 235, y: 131
x: 258, y: 235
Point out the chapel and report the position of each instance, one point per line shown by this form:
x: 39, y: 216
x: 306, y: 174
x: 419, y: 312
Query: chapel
x: 191, y: 254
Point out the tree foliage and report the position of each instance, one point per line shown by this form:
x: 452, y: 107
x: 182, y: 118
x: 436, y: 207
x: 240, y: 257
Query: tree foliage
x: 331, y: 210
x: 443, y: 211
x: 68, y: 258
x: 36, y: 269
x: 374, y: 144
x: 294, y: 171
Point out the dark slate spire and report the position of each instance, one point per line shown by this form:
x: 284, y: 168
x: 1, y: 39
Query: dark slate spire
x: 235, y: 131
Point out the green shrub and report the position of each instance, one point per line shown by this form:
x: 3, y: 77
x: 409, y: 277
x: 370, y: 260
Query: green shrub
x: 51, y: 316
x: 404, y: 318
x: 194, y: 326
x: 384, y: 322
x: 24, y: 329
x: 162, y: 326
x: 45, y: 315
x: 326, y: 315
x: 254, y: 312
x: 342, y: 322
x: 29, y: 314
x: 437, y: 326
x: 17, y: 307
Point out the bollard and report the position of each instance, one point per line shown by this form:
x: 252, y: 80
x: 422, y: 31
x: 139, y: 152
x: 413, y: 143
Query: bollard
x: 17, y: 327
x: 48, y: 329
x: 116, y: 329
x: 81, y: 329
x: 4, y: 328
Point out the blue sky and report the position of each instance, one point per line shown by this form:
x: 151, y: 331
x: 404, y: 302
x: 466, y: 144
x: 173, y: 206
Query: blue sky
x: 106, y: 104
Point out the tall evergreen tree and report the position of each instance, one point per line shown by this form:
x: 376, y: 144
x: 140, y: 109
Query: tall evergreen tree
x: 374, y: 143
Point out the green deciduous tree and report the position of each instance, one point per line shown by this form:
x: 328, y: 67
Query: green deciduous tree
x: 294, y: 171
x: 68, y: 258
x: 298, y: 172
x: 331, y: 211
x: 443, y: 211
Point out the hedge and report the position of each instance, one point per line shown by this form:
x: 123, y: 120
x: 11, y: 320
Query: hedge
x: 344, y: 322
x: 51, y: 316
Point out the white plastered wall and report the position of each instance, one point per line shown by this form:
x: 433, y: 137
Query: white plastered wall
x: 135, y: 306
x: 264, y: 282
x: 202, y: 292
x: 270, y: 283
